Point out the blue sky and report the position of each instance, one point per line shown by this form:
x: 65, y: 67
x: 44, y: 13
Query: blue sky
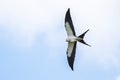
x: 32, y: 40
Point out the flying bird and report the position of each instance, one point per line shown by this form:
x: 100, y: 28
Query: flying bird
x: 72, y: 39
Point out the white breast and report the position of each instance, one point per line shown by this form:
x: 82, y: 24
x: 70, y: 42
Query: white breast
x: 71, y: 39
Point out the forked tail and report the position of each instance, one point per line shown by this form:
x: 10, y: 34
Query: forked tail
x: 82, y: 36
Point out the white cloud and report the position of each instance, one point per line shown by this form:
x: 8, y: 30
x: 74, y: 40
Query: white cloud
x: 118, y: 78
x: 26, y: 19
x: 103, y: 35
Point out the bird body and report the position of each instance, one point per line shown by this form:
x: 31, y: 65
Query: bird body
x: 72, y: 39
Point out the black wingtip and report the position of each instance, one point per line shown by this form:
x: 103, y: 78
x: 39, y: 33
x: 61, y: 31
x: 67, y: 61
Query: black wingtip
x: 71, y: 61
x: 68, y: 11
x: 72, y: 68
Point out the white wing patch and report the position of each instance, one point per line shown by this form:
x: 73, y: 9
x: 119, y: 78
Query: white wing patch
x: 70, y: 48
x: 68, y: 29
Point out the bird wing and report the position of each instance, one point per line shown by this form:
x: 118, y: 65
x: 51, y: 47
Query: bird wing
x: 71, y: 53
x: 69, y: 24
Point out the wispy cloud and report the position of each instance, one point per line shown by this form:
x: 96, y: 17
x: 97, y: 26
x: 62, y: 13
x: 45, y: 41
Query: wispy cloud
x: 118, y: 78
x: 25, y: 20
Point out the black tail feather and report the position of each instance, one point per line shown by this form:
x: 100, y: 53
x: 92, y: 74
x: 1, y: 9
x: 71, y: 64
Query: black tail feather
x: 82, y: 35
x: 82, y: 41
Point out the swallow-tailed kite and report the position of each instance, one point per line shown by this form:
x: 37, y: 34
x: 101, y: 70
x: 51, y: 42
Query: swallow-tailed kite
x: 72, y: 39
